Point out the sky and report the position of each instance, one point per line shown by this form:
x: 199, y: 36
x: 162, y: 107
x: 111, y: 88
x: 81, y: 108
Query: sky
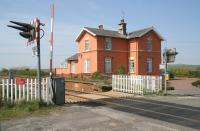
x: 178, y: 21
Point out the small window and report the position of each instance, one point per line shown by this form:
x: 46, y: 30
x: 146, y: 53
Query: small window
x: 149, y: 65
x: 86, y: 45
x: 149, y: 44
x: 108, y: 65
x: 131, y: 65
x: 87, y: 66
x: 108, y: 44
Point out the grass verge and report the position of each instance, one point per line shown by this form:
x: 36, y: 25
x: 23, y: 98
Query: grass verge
x: 160, y: 93
x: 10, y: 110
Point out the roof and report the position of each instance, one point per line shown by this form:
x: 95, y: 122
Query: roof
x: 141, y: 32
x: 73, y: 57
x: 111, y: 33
x: 100, y: 32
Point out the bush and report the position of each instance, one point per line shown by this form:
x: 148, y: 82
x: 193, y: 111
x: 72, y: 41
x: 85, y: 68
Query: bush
x: 23, y: 72
x: 97, y: 76
x: 196, y: 83
x: 195, y: 73
x: 121, y: 69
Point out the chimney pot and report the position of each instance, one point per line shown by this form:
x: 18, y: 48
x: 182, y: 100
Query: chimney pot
x: 122, y: 20
x: 122, y: 27
x: 101, y: 27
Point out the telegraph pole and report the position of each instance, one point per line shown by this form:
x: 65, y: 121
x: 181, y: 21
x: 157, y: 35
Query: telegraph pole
x: 38, y: 56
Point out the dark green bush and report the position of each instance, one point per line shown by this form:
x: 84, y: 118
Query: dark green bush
x: 196, y: 83
x: 121, y: 69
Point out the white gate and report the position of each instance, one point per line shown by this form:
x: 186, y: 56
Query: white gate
x: 10, y: 90
x: 136, y: 84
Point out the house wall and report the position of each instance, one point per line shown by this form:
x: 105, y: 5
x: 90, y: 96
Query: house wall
x: 133, y: 47
x: 143, y: 54
x: 91, y: 54
x: 118, y: 53
x: 67, y: 70
x: 122, y: 50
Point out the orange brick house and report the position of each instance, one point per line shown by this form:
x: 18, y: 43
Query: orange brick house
x: 102, y: 50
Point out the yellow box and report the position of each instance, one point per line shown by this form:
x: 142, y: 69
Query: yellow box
x: 167, y: 77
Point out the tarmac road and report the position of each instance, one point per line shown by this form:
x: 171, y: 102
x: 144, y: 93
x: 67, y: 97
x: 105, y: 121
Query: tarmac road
x: 137, y: 114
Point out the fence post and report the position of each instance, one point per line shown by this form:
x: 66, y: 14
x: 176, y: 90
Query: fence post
x: 15, y: 90
x: 23, y: 91
x: 19, y: 92
x: 3, y: 88
x: 31, y: 89
x: 11, y: 90
x: 7, y: 89
x: 43, y: 86
x: 27, y: 89
x: 35, y: 88
x: 160, y: 82
x: 47, y: 90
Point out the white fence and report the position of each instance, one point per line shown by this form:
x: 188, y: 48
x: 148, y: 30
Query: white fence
x: 10, y: 90
x: 136, y: 84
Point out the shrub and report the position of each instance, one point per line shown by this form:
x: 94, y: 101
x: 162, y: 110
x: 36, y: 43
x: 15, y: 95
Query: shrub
x: 121, y: 69
x: 97, y: 76
x: 196, y: 83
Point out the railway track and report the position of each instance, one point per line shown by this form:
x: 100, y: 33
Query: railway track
x: 182, y: 115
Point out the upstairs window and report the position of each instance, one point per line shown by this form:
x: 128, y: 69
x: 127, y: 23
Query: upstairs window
x: 87, y: 66
x: 149, y: 44
x: 149, y: 65
x: 108, y: 65
x: 86, y: 45
x: 108, y: 44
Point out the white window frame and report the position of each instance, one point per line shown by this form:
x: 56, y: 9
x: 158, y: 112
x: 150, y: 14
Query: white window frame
x: 131, y: 65
x: 108, y: 64
x: 86, y: 66
x: 73, y: 67
x: 149, y: 65
x: 108, y: 43
x: 86, y: 45
x: 149, y: 44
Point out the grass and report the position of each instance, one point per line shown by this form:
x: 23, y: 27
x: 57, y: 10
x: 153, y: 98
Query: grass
x: 160, y: 93
x: 10, y: 110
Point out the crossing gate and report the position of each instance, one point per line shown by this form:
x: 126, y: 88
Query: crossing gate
x: 136, y: 84
x: 25, y: 89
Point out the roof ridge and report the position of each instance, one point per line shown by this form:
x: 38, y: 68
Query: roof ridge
x: 151, y: 27
x: 101, y: 29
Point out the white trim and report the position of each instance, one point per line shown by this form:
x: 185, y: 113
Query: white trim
x: 81, y: 32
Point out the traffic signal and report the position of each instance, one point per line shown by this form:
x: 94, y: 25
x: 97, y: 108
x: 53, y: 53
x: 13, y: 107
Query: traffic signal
x: 28, y: 31
x: 169, y: 55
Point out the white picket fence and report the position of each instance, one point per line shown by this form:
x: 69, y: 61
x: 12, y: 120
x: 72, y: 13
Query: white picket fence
x: 136, y: 84
x: 10, y: 90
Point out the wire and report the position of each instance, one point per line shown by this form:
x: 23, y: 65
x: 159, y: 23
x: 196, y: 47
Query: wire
x: 42, y: 34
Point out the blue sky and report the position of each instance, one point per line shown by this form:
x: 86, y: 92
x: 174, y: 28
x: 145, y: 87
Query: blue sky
x: 177, y: 20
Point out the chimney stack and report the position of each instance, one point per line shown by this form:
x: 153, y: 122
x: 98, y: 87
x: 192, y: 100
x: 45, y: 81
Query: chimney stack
x: 122, y: 27
x: 101, y: 27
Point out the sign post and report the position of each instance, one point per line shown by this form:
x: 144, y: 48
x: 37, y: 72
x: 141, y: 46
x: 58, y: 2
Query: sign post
x: 168, y: 57
x: 37, y: 30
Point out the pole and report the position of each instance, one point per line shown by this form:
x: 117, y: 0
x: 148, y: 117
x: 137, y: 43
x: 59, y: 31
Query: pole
x: 38, y: 56
x: 51, y: 40
x: 165, y: 70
